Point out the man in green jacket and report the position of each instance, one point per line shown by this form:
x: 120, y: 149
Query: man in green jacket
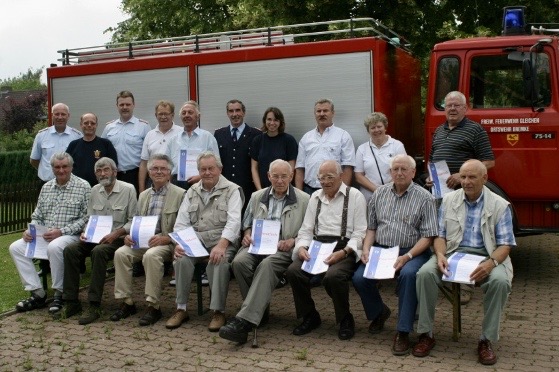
x: 258, y: 275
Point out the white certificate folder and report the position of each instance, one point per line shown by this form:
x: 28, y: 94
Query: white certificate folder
x: 461, y: 266
x: 318, y: 252
x: 142, y: 229
x: 439, y: 173
x: 381, y: 263
x: 37, y: 248
x: 97, y: 228
x: 189, y: 242
x: 265, y: 237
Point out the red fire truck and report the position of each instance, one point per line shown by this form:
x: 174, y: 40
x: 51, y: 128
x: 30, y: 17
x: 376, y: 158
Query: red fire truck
x: 512, y: 85
x: 364, y: 67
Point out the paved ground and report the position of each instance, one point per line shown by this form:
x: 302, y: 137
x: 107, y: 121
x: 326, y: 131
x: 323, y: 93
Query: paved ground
x: 529, y: 335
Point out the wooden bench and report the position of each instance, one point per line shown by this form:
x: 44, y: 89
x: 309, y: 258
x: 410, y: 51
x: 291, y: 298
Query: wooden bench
x: 452, y: 294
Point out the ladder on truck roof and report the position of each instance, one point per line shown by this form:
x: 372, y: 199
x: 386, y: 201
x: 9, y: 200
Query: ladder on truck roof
x: 256, y: 37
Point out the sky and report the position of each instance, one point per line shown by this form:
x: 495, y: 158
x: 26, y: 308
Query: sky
x: 31, y: 31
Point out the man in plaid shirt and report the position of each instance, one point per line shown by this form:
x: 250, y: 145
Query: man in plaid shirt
x: 62, y: 208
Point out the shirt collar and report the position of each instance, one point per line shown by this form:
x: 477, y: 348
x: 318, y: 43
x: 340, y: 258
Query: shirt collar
x: 162, y: 190
x: 474, y: 203
x: 241, y: 128
x: 271, y: 193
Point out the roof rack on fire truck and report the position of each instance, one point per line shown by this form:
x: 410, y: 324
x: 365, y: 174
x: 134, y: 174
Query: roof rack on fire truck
x: 544, y: 29
x: 265, y: 36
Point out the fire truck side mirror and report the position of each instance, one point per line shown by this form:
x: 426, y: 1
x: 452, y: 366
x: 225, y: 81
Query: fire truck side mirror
x: 528, y: 79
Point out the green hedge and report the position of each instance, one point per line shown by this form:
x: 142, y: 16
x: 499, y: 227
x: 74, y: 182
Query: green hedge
x: 15, y: 168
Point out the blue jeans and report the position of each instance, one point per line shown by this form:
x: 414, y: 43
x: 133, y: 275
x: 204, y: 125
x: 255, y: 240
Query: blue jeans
x: 407, y: 298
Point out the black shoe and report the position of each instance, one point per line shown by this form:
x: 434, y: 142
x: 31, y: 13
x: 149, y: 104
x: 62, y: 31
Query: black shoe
x: 265, y: 317
x: 236, y: 330
x: 316, y: 281
x: 282, y: 282
x: 151, y: 316
x: 168, y: 268
x: 32, y: 303
x: 93, y: 313
x: 347, y: 328
x: 310, y: 321
x: 205, y: 281
x: 124, y: 312
x: 56, y: 305
x: 138, y: 270
x: 377, y: 325
x: 70, y: 309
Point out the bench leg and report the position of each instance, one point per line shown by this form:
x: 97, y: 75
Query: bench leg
x: 456, y: 312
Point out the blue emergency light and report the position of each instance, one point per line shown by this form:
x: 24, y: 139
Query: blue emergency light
x: 513, y: 20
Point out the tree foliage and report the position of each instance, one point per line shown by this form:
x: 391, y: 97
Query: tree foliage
x: 30, y: 80
x: 423, y: 22
x: 24, y: 113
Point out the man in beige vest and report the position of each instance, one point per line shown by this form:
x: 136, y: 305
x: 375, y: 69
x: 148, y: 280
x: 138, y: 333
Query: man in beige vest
x: 212, y: 206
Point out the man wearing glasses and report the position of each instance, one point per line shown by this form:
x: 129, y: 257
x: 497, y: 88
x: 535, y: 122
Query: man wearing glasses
x: 87, y: 150
x: 157, y: 140
x: 163, y: 199
x: 258, y: 275
x: 455, y: 141
x: 459, y: 139
x: 336, y: 213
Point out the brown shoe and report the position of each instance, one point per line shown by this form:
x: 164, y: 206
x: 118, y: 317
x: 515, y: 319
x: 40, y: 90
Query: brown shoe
x: 178, y: 318
x: 424, y: 346
x: 401, y: 345
x: 217, y: 321
x: 486, y: 355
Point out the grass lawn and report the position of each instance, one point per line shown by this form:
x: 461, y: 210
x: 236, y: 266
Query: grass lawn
x: 12, y: 289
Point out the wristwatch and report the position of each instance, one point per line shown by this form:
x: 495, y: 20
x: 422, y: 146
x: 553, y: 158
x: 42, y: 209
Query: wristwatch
x: 495, y: 262
x: 409, y: 255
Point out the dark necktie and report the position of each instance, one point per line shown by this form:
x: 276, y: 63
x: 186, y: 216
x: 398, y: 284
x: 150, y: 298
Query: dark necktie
x: 234, y: 134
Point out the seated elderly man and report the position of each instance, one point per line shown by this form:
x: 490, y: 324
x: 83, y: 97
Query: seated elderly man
x: 212, y: 206
x: 163, y: 199
x: 62, y: 208
x: 400, y: 214
x: 110, y: 197
x: 336, y: 213
x: 477, y: 221
x: 258, y: 275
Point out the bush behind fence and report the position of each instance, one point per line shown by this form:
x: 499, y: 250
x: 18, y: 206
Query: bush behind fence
x: 19, y: 190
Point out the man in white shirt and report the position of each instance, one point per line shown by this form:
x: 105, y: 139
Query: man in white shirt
x: 325, y: 142
x: 157, y: 140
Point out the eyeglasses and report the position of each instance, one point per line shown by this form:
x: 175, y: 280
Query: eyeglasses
x: 453, y: 106
x: 163, y: 114
x: 282, y: 177
x: 327, y: 178
x: 396, y: 170
x: 159, y: 169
